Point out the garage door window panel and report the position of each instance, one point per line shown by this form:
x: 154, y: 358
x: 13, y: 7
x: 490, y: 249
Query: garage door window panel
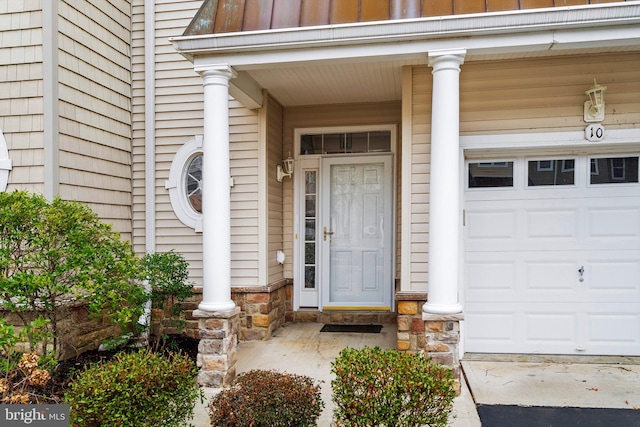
x: 491, y: 174
x: 551, y: 172
x: 614, y: 170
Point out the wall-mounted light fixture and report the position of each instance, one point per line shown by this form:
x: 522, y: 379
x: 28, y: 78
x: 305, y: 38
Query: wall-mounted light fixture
x: 286, y: 169
x: 594, y: 107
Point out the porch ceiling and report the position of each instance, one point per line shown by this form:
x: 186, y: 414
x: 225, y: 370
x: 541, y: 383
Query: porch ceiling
x: 362, y: 82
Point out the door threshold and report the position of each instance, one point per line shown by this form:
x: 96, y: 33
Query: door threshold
x: 356, y: 308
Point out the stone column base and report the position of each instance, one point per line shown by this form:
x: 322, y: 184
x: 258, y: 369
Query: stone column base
x: 217, y: 350
x: 442, y: 341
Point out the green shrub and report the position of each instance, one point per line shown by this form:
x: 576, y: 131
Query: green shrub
x: 58, y: 252
x: 390, y: 388
x: 167, y: 275
x: 261, y: 398
x: 137, y: 389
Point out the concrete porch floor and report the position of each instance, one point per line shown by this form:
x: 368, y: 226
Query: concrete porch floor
x: 300, y: 348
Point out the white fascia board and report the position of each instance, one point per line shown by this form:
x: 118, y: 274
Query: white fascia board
x: 477, y: 146
x: 598, y: 37
x: 410, y: 50
x: 627, y: 35
x: 324, y: 42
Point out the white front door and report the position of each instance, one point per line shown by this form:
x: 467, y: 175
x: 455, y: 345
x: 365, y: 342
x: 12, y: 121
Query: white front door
x: 355, y: 232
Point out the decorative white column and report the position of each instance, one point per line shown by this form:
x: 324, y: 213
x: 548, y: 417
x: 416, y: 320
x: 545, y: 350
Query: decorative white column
x: 444, y: 204
x: 216, y: 191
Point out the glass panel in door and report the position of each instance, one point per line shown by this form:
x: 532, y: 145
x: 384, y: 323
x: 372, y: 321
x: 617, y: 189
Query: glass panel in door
x: 356, y: 233
x: 309, y: 290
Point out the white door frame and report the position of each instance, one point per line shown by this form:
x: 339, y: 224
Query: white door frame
x: 314, y: 162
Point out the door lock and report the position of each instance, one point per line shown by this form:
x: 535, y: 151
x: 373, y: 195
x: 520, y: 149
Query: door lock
x: 327, y: 233
x: 581, y: 271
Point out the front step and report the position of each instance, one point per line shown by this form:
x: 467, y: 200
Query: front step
x: 344, y: 317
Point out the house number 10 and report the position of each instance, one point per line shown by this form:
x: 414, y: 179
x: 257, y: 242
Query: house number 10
x: 594, y: 132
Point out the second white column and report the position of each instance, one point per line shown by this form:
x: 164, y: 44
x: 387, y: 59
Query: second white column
x: 444, y: 205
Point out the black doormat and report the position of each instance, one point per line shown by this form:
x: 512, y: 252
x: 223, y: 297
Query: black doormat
x: 364, y: 329
x: 538, y: 416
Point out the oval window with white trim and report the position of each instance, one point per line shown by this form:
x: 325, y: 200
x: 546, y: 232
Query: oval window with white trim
x: 5, y: 163
x: 193, y: 182
x: 185, y: 184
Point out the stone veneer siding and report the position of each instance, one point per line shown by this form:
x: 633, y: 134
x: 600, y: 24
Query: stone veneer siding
x: 218, y: 347
x: 411, y: 332
x: 81, y: 331
x: 262, y: 311
x: 437, y: 336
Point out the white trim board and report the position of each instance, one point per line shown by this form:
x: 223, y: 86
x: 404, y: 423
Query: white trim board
x: 615, y: 140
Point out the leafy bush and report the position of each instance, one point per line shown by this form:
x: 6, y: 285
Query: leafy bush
x: 167, y: 274
x: 10, y: 337
x: 261, y: 398
x: 137, y: 389
x: 54, y: 253
x: 390, y: 388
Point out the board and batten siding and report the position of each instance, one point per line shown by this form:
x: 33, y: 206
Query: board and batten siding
x: 94, y: 63
x: 179, y: 117
x: 383, y: 113
x: 21, y: 92
x: 514, y: 97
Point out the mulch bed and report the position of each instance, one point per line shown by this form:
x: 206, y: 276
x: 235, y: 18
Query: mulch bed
x: 65, y: 371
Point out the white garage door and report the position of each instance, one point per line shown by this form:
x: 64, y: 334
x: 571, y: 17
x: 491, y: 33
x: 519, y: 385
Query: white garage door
x: 552, y: 255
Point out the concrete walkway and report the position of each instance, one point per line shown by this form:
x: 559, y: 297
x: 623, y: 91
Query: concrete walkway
x: 300, y: 348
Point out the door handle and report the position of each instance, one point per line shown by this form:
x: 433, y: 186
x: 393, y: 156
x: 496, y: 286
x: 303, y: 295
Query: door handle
x: 581, y: 271
x: 327, y: 233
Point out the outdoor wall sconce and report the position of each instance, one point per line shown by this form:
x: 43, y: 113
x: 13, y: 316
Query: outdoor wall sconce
x: 286, y: 169
x: 594, y: 107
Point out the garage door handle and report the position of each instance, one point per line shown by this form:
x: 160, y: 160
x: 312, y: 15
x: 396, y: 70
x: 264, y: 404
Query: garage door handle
x: 581, y: 271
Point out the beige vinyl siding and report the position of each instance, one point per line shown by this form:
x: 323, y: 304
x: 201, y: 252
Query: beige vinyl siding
x: 94, y: 107
x: 420, y: 173
x: 546, y: 95
x: 517, y: 96
x: 179, y: 117
x: 244, y: 156
x: 330, y: 115
x: 178, y: 103
x: 274, y: 199
x: 21, y: 92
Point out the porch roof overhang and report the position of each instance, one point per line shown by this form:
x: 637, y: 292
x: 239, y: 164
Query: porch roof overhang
x: 260, y: 57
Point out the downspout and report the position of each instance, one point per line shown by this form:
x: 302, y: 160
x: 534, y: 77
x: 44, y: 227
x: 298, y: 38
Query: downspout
x: 149, y: 144
x: 149, y: 126
x: 50, y: 98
